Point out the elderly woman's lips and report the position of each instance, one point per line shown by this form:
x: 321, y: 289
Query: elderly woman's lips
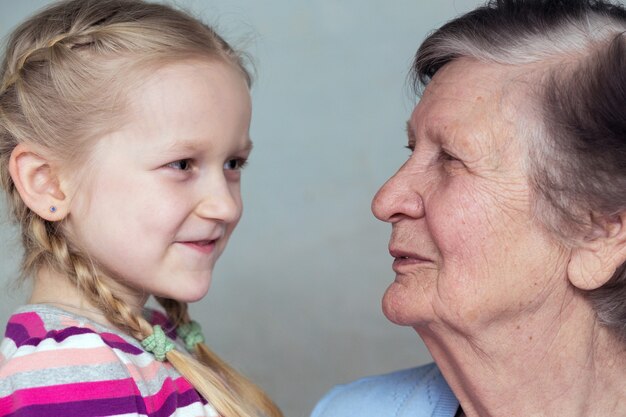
x: 400, y: 254
x: 404, y: 259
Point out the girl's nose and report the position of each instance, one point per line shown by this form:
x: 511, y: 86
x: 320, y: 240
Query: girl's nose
x: 221, y: 202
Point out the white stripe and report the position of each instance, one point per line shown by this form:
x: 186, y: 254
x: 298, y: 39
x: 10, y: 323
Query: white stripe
x: 8, y: 347
x: 197, y: 409
x: 82, y: 341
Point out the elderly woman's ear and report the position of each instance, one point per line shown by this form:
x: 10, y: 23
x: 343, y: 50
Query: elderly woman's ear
x: 595, y: 258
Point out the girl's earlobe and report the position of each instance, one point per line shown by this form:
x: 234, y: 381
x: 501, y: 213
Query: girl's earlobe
x: 38, y: 183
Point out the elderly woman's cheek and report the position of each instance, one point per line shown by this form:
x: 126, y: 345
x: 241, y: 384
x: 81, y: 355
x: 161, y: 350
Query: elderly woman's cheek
x: 482, y: 229
x: 481, y: 212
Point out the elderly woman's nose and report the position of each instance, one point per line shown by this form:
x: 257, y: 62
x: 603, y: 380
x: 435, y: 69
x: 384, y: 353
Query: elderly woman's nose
x: 397, y: 199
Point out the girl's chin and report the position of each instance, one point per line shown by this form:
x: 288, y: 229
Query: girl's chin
x: 187, y: 294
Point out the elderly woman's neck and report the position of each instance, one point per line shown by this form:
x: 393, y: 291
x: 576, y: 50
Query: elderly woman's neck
x: 547, y: 364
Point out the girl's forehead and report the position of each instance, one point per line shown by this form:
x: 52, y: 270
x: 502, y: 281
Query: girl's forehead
x: 180, y: 81
x: 183, y: 104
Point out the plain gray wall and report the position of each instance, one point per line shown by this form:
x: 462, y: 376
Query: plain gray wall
x: 295, y: 301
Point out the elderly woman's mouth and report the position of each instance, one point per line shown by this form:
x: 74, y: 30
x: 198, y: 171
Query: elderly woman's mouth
x: 403, y: 259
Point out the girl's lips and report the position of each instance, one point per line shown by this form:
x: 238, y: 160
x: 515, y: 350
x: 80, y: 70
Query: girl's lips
x: 202, y: 246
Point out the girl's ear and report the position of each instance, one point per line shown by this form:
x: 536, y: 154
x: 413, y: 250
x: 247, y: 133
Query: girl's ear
x: 595, y: 259
x: 38, y: 183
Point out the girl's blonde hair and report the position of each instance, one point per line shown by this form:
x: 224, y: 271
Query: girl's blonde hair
x: 63, y: 80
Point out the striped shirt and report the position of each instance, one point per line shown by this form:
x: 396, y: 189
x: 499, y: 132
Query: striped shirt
x: 55, y: 363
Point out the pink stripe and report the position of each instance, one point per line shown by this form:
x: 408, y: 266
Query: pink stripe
x: 70, y: 322
x: 182, y: 384
x: 56, y: 394
x: 155, y: 402
x: 145, y: 373
x: 31, y: 322
x: 58, y: 357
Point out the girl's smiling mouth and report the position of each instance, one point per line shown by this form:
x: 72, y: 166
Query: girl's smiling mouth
x: 202, y: 246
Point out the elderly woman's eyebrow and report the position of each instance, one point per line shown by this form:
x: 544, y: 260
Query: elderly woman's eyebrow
x: 409, y: 132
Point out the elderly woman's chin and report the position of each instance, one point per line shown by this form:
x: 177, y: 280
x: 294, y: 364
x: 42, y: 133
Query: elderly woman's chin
x: 406, y: 302
x: 412, y: 303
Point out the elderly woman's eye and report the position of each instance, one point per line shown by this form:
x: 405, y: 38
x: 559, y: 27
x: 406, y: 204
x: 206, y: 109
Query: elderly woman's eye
x: 445, y: 156
x: 181, y: 164
x: 411, y: 148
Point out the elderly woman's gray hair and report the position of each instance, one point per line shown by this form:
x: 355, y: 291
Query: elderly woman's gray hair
x: 578, y: 163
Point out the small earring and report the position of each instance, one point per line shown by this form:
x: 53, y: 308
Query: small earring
x: 53, y: 209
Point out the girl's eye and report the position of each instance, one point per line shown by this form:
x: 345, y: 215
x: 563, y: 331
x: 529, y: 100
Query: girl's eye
x: 182, y: 165
x: 235, y: 164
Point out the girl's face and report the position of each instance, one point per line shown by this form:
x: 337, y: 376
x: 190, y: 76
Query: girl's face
x: 161, y: 195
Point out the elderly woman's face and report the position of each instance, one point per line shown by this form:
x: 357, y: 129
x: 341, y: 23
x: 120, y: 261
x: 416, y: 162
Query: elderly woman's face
x: 466, y: 248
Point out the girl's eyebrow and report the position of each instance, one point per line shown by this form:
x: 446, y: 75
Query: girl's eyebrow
x: 192, y: 145
x: 183, y: 145
x: 249, y: 145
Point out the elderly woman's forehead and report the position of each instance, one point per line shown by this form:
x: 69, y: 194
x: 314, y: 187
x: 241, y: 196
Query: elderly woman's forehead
x: 470, y: 78
x: 469, y: 88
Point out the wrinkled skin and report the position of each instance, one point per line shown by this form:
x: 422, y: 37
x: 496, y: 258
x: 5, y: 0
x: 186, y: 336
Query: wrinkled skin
x: 468, y: 251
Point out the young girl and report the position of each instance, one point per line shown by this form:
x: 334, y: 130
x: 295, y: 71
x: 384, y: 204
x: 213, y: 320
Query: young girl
x: 123, y: 129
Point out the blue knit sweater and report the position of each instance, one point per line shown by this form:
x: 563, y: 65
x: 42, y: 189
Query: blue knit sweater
x: 416, y: 392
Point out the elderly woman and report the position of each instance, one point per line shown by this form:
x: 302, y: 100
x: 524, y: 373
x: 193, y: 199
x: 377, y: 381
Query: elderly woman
x: 509, y: 220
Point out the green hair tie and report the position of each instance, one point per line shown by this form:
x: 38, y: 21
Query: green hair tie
x: 157, y: 343
x: 191, y: 334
